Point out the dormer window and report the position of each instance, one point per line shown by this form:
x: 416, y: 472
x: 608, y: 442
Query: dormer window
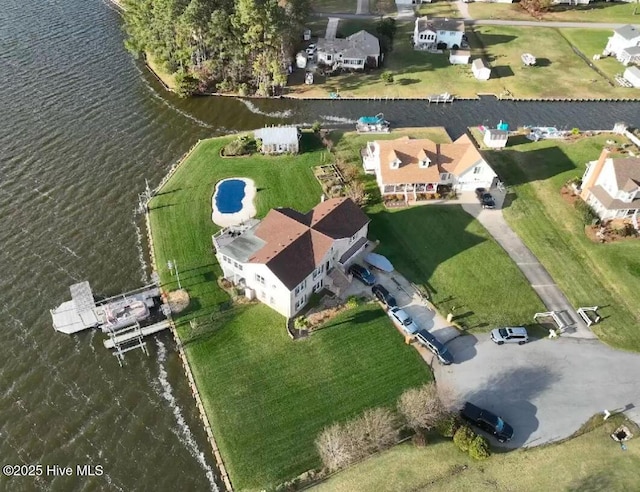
x: 425, y: 162
x: 395, y: 163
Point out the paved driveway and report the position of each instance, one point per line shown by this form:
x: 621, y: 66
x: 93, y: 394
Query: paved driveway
x: 545, y: 389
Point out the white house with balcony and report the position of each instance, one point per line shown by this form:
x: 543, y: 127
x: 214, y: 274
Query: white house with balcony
x: 624, y: 44
x: 611, y: 186
x: 429, y: 33
x: 414, y: 167
x: 284, y: 258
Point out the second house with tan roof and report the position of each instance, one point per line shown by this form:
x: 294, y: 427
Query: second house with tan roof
x: 412, y: 167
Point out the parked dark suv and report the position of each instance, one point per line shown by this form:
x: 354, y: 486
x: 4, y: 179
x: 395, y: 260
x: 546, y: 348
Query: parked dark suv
x: 362, y: 274
x: 436, y: 346
x: 487, y: 421
x: 486, y: 199
x: 384, y: 296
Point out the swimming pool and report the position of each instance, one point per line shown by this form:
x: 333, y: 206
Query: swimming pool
x: 229, y: 196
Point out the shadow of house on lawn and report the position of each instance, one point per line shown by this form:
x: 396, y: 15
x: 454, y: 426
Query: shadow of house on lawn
x: 517, y: 167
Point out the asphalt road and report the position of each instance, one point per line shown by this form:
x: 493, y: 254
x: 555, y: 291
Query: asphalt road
x: 545, y: 389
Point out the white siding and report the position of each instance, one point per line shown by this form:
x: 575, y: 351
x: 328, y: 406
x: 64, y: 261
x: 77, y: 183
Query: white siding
x: 480, y: 175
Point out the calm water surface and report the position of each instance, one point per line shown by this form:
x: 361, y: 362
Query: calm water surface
x: 81, y: 128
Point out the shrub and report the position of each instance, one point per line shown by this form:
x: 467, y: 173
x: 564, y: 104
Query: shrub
x: 352, y: 302
x: 333, y: 448
x: 575, y: 131
x: 186, y: 84
x: 421, y: 407
x: 587, y: 214
x: 240, y: 146
x: 387, y: 77
x: 463, y: 438
x: 448, y: 425
x: 316, y: 127
x: 479, y: 448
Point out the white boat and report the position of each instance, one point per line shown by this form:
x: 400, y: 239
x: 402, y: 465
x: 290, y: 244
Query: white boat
x: 441, y: 98
x: 544, y: 132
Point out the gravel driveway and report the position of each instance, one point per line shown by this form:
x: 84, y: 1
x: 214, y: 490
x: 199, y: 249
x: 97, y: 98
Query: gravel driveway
x: 545, y: 389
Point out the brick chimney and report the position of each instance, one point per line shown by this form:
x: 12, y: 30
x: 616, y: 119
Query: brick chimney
x: 594, y: 173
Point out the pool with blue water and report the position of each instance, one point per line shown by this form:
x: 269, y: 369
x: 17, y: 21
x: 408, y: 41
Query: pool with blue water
x: 229, y: 196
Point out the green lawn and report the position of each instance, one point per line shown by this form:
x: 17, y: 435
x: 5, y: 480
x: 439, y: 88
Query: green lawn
x: 592, y: 42
x: 590, y: 462
x: 419, y: 74
x: 335, y: 6
x: 267, y: 397
x: 439, y: 9
x: 270, y: 397
x: 590, y: 274
x: 614, y: 12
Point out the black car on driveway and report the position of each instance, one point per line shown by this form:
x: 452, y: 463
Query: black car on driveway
x: 384, y: 296
x: 486, y: 199
x: 435, y: 346
x: 362, y: 274
x: 487, y: 421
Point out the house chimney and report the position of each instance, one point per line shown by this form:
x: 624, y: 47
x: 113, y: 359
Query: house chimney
x: 594, y: 173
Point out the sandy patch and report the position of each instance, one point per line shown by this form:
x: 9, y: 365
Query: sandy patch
x: 247, y: 211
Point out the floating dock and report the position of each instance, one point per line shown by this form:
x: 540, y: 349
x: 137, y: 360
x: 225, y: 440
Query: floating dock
x: 127, y: 318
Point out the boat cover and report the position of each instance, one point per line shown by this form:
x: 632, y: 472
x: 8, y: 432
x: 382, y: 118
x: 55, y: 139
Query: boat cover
x: 378, y: 261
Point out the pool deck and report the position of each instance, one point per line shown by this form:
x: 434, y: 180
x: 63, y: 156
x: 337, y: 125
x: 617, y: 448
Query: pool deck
x: 247, y: 212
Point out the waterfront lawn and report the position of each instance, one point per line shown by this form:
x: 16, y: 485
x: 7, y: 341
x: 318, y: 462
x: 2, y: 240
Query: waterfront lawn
x: 269, y: 397
x: 590, y: 274
x: 591, y: 461
x: 613, y: 12
x: 592, y: 42
x: 419, y: 74
x: 439, y: 9
x: 181, y: 213
x: 445, y: 249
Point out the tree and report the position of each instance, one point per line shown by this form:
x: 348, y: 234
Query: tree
x: 333, y: 448
x: 356, y: 191
x: 380, y: 428
x: 186, y: 84
x: 421, y: 407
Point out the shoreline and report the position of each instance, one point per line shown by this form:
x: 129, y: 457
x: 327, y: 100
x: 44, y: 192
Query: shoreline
x: 224, y: 476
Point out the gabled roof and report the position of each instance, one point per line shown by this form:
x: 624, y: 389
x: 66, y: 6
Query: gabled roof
x: 293, y: 244
x: 627, y: 171
x: 628, y: 32
x: 455, y: 158
x: 359, y: 45
x: 440, y: 24
x: 277, y: 134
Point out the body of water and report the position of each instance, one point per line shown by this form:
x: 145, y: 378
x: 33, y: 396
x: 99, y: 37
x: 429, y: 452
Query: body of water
x: 83, y: 126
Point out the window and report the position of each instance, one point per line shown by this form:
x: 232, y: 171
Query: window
x: 440, y: 33
x: 272, y: 300
x: 353, y: 238
x: 477, y: 170
x: 260, y: 279
x: 444, y: 176
x: 395, y: 164
x: 424, y: 163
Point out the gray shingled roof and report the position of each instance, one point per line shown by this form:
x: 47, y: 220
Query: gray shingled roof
x: 359, y: 45
x: 632, y: 50
x: 277, y: 135
x: 628, y: 32
x: 440, y: 24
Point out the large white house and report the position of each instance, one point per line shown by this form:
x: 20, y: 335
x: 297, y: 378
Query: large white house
x: 288, y: 255
x: 353, y: 52
x: 429, y: 33
x: 408, y: 166
x: 611, y: 186
x: 624, y: 44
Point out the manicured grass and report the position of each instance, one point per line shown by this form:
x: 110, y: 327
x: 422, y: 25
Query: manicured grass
x: 592, y: 461
x: 418, y: 74
x: 590, y: 274
x: 467, y: 272
x: 335, y: 6
x: 270, y: 397
x: 614, y: 12
x: 592, y: 42
x: 439, y: 9
x: 267, y: 397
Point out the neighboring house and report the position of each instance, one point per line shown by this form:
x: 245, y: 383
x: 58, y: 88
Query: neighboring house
x: 459, y: 57
x: 278, y: 139
x: 429, y: 33
x: 480, y: 69
x: 288, y: 255
x: 624, y: 39
x: 411, y: 2
x: 632, y: 74
x: 495, y: 139
x: 354, y: 52
x: 611, y: 186
x: 409, y: 166
x: 570, y: 2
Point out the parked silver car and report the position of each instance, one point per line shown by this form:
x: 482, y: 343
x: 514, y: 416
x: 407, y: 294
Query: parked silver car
x: 400, y: 317
x: 510, y: 334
